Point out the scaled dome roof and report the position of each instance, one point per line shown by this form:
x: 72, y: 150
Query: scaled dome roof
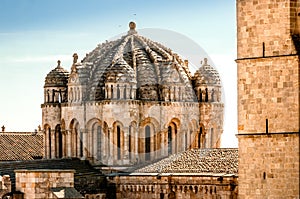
x: 207, y: 75
x: 136, y: 59
x: 58, y: 77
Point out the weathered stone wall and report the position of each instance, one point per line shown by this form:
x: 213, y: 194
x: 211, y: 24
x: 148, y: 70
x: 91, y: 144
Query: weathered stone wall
x: 268, y: 88
x: 37, y: 183
x: 268, y: 98
x: 176, y: 186
x: 211, y: 119
x: 5, y: 185
x: 266, y: 21
x: 269, y: 166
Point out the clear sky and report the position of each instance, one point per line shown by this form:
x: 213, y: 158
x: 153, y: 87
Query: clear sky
x: 34, y: 34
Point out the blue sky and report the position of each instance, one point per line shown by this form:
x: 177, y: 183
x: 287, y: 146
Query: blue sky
x: 34, y: 34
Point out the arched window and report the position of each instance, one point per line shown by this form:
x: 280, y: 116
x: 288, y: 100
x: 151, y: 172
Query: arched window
x: 59, y: 143
x: 49, y: 137
x: 206, y: 95
x: 111, y: 92
x: 199, y: 138
x: 172, y: 131
x: 212, y: 137
x: 81, y: 144
x: 147, y: 142
x: 118, y: 92
x: 185, y: 140
x: 200, y: 95
x: 118, y: 142
x: 169, y: 140
x: 129, y: 141
x: 99, y: 137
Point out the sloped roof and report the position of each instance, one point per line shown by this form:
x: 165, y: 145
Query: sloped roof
x: 66, y: 192
x: 20, y: 146
x: 206, y: 161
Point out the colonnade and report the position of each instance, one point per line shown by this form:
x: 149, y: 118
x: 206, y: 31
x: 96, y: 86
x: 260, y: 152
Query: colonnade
x: 121, y: 145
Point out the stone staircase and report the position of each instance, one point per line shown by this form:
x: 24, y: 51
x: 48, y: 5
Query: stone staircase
x: 87, y: 180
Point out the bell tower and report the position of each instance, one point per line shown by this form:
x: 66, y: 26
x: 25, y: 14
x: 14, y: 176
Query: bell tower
x: 268, y: 97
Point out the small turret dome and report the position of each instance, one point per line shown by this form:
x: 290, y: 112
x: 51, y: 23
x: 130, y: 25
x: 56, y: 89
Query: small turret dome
x: 120, y: 72
x: 207, y: 75
x: 58, y: 77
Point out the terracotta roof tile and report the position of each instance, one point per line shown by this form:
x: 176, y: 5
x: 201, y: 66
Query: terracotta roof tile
x: 20, y: 146
x: 212, y: 161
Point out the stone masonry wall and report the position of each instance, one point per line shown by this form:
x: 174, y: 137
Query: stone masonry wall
x: 5, y: 185
x: 274, y: 171
x: 174, y: 186
x: 37, y: 183
x: 268, y: 88
x: 266, y: 21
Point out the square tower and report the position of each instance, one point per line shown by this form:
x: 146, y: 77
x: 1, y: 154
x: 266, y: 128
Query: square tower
x: 268, y: 98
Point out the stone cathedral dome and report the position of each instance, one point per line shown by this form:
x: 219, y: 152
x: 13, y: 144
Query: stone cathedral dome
x: 207, y: 75
x: 135, y: 59
x: 58, y: 77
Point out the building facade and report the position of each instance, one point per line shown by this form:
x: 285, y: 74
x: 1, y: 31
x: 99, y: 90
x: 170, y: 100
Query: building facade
x: 129, y: 101
x: 268, y: 98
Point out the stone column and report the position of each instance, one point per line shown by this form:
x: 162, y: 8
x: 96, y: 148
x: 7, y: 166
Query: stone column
x: 126, y: 145
x: 69, y: 150
x: 121, y: 87
x: 115, y: 92
x: 162, y: 144
x: 94, y: 143
x: 77, y: 132
x: 110, y: 146
x: 84, y: 143
x: 46, y: 141
x: 53, y: 144
x: 128, y: 92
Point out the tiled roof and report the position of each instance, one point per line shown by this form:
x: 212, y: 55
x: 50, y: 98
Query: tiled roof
x: 66, y: 192
x: 206, y: 161
x: 20, y: 146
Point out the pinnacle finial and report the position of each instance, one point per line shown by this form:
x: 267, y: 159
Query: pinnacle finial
x: 75, y: 58
x: 205, y: 61
x: 132, y: 25
x: 58, y: 64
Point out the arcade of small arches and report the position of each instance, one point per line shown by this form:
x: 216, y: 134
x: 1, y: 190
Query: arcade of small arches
x: 118, y: 144
x: 122, y: 91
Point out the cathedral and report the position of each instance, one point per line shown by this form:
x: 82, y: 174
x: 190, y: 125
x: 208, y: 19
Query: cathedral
x: 129, y: 101
x: 131, y: 121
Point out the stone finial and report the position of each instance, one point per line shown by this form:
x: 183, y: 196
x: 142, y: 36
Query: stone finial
x: 132, y: 27
x: 186, y: 62
x: 39, y: 128
x: 58, y: 63
x: 3, y: 128
x: 205, y: 61
x: 75, y: 58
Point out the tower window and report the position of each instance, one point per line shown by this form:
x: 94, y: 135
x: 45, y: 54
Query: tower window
x: 169, y: 140
x: 206, y: 95
x: 118, y: 142
x: 147, y: 143
x: 199, y: 138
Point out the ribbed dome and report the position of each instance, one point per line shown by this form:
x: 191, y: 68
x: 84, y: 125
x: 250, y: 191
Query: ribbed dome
x: 120, y: 72
x: 135, y: 58
x: 58, y: 77
x: 207, y: 75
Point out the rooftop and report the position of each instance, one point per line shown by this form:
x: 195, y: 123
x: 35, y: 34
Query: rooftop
x: 197, y: 161
x: 20, y: 146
